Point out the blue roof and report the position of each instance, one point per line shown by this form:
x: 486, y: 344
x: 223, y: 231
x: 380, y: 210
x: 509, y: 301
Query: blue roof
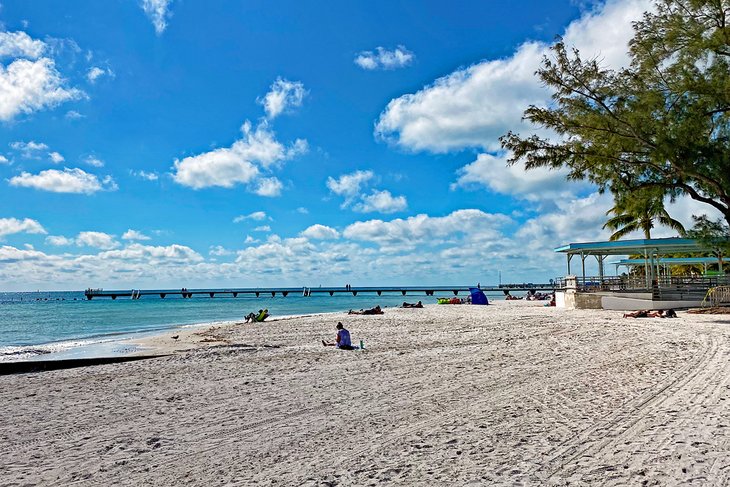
x: 669, y: 261
x: 626, y: 247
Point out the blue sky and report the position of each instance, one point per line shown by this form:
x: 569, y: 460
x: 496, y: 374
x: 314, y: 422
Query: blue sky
x: 170, y: 142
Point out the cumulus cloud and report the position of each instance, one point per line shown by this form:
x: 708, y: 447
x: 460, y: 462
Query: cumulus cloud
x: 148, y: 176
x: 56, y: 157
x: 474, y: 106
x: 28, y: 150
x: 269, y: 187
x: 158, y: 11
x: 541, y: 184
x: 351, y: 187
x: 348, y: 185
x: 283, y: 96
x: 243, y: 162
x: 382, y: 202
x: 134, y: 235
x: 382, y: 58
x: 4, y: 160
x: 9, y: 226
x: 96, y: 72
x: 59, y: 240
x: 27, y: 86
x: 20, y: 44
x: 427, y: 230
x: 73, y: 115
x: 66, y: 181
x: 256, y: 215
x: 99, y: 240
x: 219, y: 250
x: 94, y: 161
x: 320, y: 232
x: 262, y: 228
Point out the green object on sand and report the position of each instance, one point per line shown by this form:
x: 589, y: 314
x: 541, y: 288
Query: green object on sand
x: 362, y: 345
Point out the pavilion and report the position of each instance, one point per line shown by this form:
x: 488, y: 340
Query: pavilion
x: 656, y: 289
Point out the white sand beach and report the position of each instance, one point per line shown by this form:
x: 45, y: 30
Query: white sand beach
x: 512, y: 393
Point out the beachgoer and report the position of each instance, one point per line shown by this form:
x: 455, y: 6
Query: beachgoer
x: 262, y: 315
x: 644, y: 313
x: 342, y: 341
x: 250, y: 318
x: 411, y: 305
x: 670, y: 313
x: 372, y: 311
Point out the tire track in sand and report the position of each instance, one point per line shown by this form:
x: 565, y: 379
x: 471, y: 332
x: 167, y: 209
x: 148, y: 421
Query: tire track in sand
x: 625, y: 421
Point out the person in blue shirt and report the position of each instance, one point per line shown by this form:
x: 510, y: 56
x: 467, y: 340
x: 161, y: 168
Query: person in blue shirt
x: 343, y: 341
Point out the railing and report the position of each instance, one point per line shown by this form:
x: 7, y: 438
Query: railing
x: 664, y: 288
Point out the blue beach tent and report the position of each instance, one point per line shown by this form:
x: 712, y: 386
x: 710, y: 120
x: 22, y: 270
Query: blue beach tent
x: 477, y: 296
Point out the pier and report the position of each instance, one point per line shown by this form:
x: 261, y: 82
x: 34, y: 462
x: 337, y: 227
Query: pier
x: 310, y: 291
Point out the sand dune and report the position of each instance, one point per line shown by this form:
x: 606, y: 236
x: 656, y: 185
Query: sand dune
x: 504, y: 394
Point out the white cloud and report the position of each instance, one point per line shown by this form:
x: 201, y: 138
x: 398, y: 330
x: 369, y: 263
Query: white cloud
x: 302, y: 210
x: 283, y: 96
x: 158, y: 11
x: 541, y: 184
x: 381, y: 201
x: 4, y: 160
x: 383, y: 58
x: 59, y: 240
x: 94, y: 161
x: 249, y: 239
x: 28, y: 86
x: 149, y: 176
x: 320, y: 232
x: 73, y: 115
x: 20, y: 44
x: 474, y: 106
x: 240, y: 163
x: 256, y: 215
x: 268, y: 187
x: 426, y: 230
x: 351, y: 187
x: 56, y: 157
x: 66, y: 181
x: 99, y: 240
x: 134, y: 235
x: 28, y: 150
x: 219, y: 250
x: 348, y: 185
x: 575, y: 220
x: 262, y: 228
x: 9, y: 226
x: 96, y: 72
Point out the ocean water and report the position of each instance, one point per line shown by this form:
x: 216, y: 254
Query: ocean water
x: 65, y: 324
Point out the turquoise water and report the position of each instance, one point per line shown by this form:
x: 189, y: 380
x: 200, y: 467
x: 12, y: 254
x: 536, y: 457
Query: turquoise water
x: 38, y: 324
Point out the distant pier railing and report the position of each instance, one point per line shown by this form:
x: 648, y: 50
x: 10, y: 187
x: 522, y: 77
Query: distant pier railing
x: 309, y: 291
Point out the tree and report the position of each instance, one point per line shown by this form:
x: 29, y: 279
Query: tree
x: 638, y: 211
x: 713, y: 234
x: 661, y: 123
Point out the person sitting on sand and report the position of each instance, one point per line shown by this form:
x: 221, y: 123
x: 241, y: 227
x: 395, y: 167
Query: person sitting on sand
x: 342, y: 341
x: 372, y: 311
x: 262, y: 315
x: 250, y: 318
x: 411, y: 305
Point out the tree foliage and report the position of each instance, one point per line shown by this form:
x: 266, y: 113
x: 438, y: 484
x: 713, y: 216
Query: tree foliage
x: 638, y: 212
x: 661, y: 123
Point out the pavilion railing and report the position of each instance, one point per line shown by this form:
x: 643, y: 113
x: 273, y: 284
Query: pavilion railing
x: 665, y: 287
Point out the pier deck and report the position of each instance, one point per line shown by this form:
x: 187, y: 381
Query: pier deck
x: 308, y: 291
